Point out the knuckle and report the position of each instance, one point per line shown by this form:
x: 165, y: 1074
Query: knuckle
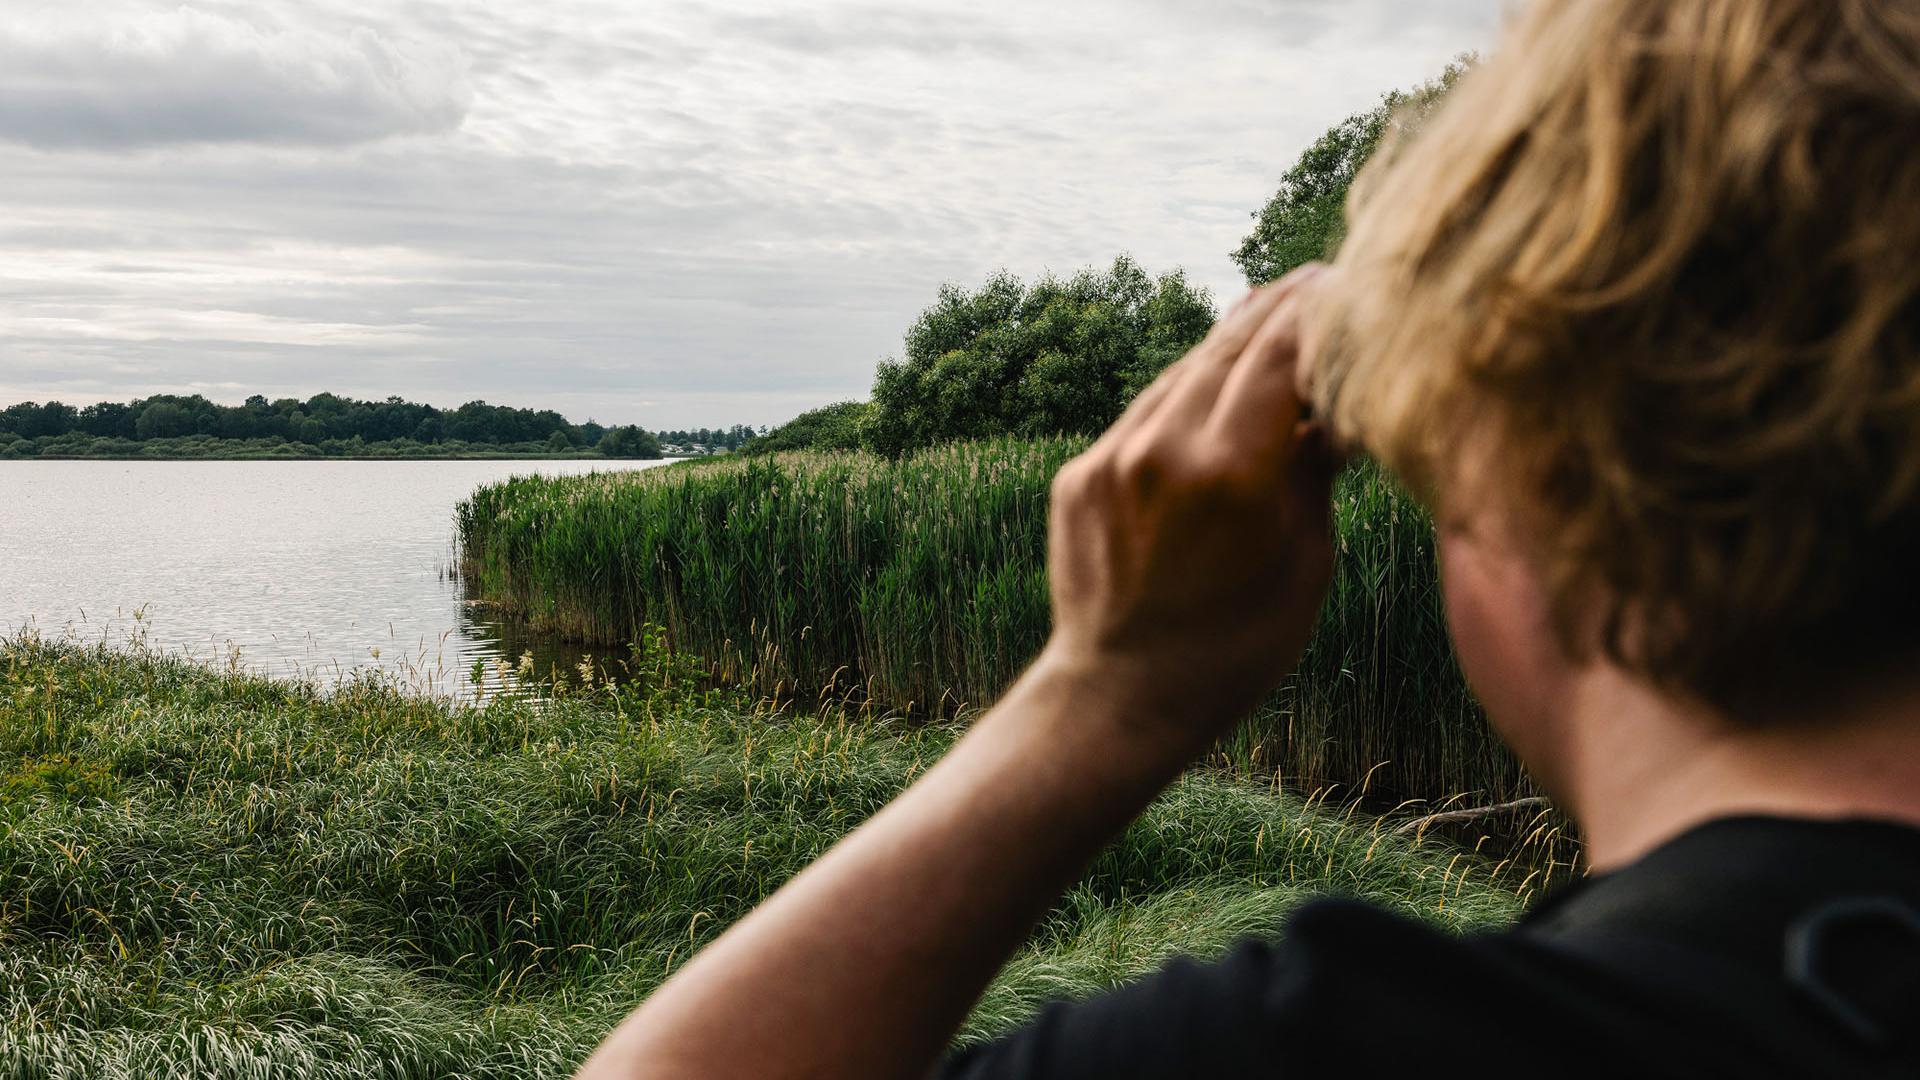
x: 1080, y: 481
x: 1070, y: 481
x: 1229, y: 466
x: 1231, y: 476
x: 1142, y: 467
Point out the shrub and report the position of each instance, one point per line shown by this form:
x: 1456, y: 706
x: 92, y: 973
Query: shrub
x: 840, y: 426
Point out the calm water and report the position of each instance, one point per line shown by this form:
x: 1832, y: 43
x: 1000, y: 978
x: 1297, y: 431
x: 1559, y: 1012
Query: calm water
x: 304, y: 567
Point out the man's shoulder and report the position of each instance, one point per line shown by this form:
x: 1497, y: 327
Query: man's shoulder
x: 1341, y: 963
x: 1677, y: 966
x: 1345, y: 985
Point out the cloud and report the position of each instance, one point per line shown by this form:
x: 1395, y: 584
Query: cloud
x: 689, y: 214
x: 190, y: 76
x: 869, y: 27
x: 210, y: 326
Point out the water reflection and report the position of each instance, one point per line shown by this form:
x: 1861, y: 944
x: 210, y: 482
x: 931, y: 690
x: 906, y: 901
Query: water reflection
x: 511, y: 644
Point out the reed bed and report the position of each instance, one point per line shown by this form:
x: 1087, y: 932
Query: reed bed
x: 205, y: 873
x: 921, y: 584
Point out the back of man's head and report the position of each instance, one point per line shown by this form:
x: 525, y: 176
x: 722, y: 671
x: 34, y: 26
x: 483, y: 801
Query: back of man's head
x: 1656, y: 265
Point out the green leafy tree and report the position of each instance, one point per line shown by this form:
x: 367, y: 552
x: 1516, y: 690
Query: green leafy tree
x: 1306, y: 218
x: 21, y: 418
x: 306, y: 429
x: 32, y: 421
x: 629, y: 442
x: 841, y: 426
x: 163, y: 420
x: 109, y: 420
x: 1053, y: 357
x: 558, y: 443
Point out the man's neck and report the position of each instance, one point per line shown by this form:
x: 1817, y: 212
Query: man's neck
x: 1642, y: 768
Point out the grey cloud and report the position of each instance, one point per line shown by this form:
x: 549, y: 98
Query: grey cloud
x: 872, y: 27
x: 677, y: 215
x: 188, y: 76
x: 1306, y: 21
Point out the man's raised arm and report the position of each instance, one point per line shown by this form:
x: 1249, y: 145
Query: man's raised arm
x: 1189, y: 555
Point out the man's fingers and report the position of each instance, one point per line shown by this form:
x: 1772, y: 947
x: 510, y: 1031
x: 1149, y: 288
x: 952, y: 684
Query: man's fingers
x: 1193, y: 400
x: 1196, y: 379
x: 1261, y: 398
x: 1230, y: 337
x: 1311, y: 472
x: 1221, y: 344
x: 1258, y: 397
x: 1147, y: 401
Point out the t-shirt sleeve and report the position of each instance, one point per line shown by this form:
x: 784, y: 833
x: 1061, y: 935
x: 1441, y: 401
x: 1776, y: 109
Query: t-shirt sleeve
x: 1309, y: 1002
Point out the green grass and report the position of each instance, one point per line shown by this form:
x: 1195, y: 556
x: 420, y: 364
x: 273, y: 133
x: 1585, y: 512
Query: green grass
x: 210, y: 874
x: 921, y: 584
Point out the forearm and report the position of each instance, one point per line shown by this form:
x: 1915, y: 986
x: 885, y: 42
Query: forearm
x: 867, y: 962
x: 1186, y: 570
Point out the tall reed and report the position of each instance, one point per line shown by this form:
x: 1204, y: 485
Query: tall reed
x: 921, y: 584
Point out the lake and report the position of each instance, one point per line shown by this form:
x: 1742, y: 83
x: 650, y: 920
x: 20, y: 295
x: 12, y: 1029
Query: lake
x: 316, y: 568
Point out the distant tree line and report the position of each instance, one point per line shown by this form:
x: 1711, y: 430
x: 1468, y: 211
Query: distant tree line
x: 711, y: 439
x: 170, y: 425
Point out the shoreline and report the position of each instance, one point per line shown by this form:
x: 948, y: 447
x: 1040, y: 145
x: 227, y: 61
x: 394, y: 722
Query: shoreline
x: 358, y: 457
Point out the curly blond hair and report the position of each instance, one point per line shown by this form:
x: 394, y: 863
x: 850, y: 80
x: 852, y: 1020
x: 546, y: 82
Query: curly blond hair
x: 1660, y: 261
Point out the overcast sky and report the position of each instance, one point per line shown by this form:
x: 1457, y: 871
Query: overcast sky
x: 687, y: 213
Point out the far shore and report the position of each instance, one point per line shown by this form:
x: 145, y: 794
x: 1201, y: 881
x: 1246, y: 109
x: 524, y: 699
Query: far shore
x: 356, y: 457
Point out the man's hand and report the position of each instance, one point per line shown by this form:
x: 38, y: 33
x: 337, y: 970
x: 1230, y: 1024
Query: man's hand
x: 1190, y: 553
x: 1190, y: 547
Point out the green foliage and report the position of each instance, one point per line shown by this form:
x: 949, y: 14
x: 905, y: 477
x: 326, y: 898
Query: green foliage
x: 29, y: 419
x: 1056, y: 357
x: 59, y: 777
x: 840, y: 426
x: 921, y: 583
x: 1306, y: 218
x: 371, y: 884
x: 325, y: 425
x: 163, y: 420
x: 795, y: 573
x: 711, y: 439
x: 1378, y: 701
x: 202, y: 447
x: 629, y: 442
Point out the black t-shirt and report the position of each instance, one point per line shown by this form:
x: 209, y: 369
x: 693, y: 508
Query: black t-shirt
x: 1749, y: 947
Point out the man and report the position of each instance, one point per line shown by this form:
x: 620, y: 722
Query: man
x: 1637, y: 313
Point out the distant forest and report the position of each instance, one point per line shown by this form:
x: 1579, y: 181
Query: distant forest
x: 327, y: 425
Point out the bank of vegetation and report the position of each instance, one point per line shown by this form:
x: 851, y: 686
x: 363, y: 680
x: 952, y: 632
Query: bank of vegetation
x: 920, y: 583
x: 330, y: 426
x: 217, y: 875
